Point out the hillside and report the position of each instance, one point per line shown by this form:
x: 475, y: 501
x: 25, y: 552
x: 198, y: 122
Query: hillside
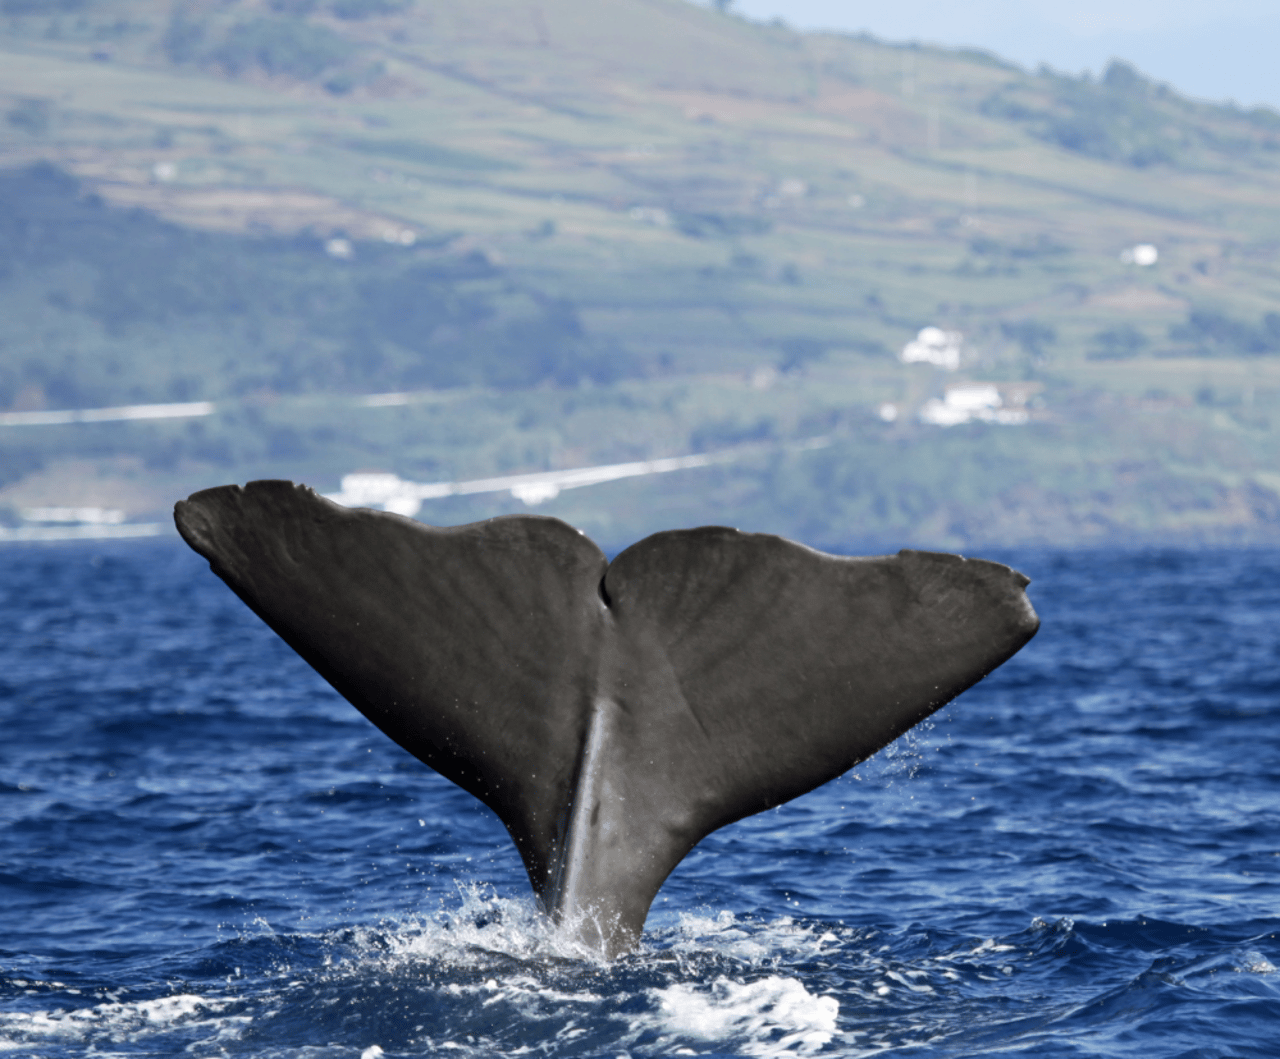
x: 578, y: 234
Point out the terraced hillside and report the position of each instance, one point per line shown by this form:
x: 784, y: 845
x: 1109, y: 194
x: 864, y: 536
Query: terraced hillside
x: 574, y: 233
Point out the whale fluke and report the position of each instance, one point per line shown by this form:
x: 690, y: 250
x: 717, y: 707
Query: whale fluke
x: 611, y: 714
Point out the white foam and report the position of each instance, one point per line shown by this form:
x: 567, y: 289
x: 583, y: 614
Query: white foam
x: 479, y: 927
x: 770, y: 1016
x: 751, y: 943
x: 1253, y: 962
x: 699, y: 982
x: 113, y: 1020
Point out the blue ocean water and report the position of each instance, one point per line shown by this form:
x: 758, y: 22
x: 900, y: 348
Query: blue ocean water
x: 204, y: 851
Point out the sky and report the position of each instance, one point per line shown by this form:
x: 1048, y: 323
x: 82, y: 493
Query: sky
x: 1210, y: 49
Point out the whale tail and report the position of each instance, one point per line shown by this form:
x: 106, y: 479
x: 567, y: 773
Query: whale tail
x: 611, y: 714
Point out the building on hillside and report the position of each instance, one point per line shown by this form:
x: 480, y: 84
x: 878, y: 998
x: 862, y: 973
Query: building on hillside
x: 1004, y: 404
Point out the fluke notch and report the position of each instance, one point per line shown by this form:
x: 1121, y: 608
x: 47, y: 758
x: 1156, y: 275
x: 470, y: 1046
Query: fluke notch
x: 611, y: 714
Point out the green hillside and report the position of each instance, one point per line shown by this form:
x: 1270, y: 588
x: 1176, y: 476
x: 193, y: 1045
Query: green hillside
x: 585, y: 233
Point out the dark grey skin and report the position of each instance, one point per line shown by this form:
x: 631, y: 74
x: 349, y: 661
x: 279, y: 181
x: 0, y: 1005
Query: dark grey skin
x: 611, y: 714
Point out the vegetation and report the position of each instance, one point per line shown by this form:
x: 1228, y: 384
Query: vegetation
x: 1123, y: 342
x: 281, y: 47
x: 40, y: 7
x: 1033, y: 336
x: 629, y: 229
x: 1124, y: 117
x: 1212, y: 333
x: 286, y: 44
x: 359, y: 9
x: 272, y: 313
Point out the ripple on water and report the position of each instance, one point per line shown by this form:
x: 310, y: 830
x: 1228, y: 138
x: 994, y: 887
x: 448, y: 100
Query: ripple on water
x: 205, y: 852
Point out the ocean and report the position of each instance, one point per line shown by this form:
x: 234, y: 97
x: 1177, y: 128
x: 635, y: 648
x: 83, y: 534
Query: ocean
x: 205, y: 852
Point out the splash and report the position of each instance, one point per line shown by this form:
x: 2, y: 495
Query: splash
x: 773, y: 1016
x: 472, y: 929
x: 754, y: 944
x: 115, y: 1021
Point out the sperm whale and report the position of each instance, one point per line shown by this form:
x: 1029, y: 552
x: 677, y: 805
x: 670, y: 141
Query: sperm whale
x: 612, y: 714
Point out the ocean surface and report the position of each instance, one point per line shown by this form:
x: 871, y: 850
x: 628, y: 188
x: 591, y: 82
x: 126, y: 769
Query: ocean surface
x: 204, y: 851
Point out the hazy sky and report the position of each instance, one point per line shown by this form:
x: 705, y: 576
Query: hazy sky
x: 1213, y: 49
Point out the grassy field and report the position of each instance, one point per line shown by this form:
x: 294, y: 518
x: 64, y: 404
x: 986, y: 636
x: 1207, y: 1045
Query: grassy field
x: 590, y: 233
